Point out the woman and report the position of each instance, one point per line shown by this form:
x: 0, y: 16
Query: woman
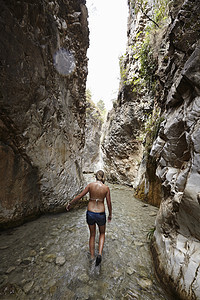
x: 98, y: 191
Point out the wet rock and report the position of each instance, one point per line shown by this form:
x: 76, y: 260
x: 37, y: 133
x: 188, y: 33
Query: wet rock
x: 4, y: 247
x: 130, y: 295
x: 3, y: 279
x: 18, y: 261
x: 60, y: 260
x: 27, y: 261
x: 153, y: 214
x: 145, y: 283
x: 33, y: 253
x: 9, y: 270
x: 136, y: 243
x: 68, y: 295
x: 84, y: 278
x: 28, y: 286
x: 49, y: 258
x: 130, y: 271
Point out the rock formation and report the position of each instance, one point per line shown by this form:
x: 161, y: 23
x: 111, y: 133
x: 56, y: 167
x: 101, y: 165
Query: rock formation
x: 169, y: 172
x: 91, y: 151
x: 42, y: 105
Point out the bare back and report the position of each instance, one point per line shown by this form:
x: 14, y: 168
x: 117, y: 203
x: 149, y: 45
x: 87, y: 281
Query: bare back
x: 98, y: 192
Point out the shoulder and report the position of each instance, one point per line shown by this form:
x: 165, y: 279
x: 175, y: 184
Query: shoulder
x: 90, y: 185
x: 107, y: 188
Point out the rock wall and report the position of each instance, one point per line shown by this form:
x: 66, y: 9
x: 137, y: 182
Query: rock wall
x: 176, y: 247
x: 122, y: 151
x: 42, y: 105
x: 122, y: 146
x: 169, y: 172
x: 93, y: 130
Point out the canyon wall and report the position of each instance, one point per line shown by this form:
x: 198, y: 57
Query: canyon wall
x: 42, y: 105
x: 160, y: 90
x: 91, y: 151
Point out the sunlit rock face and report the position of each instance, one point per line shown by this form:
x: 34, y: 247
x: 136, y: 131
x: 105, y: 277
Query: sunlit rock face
x: 91, y: 151
x: 122, y: 150
x: 121, y: 145
x: 42, y: 105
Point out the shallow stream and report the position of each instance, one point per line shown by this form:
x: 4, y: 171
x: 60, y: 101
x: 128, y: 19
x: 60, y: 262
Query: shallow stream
x: 48, y: 258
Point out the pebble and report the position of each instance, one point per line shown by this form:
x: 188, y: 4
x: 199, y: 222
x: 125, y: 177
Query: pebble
x: 28, y: 286
x: 153, y: 214
x: 27, y: 260
x: 130, y: 295
x: 49, y: 257
x: 10, y: 270
x: 33, y: 253
x: 4, y: 247
x: 145, y: 283
x: 130, y: 271
x: 138, y: 243
x: 84, y: 278
x: 60, y: 260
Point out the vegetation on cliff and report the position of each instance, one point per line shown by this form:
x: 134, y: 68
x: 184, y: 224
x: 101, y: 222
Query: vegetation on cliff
x: 96, y: 110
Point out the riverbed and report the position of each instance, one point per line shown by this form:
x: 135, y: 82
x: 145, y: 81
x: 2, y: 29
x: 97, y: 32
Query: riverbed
x: 48, y: 258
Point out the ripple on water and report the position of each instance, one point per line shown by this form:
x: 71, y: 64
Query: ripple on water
x: 48, y: 258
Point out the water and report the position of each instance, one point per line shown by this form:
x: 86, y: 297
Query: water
x: 48, y: 258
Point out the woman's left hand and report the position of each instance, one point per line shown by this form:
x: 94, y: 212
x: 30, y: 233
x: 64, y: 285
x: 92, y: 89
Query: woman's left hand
x: 68, y: 207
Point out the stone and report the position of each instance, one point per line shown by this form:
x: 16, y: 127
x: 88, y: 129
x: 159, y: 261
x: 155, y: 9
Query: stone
x: 130, y: 271
x: 28, y: 286
x: 27, y: 260
x: 145, y: 283
x: 32, y: 253
x: 60, y: 260
x: 9, y: 270
x: 49, y: 257
x: 83, y: 278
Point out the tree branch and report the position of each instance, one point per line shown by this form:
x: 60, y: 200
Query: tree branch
x: 148, y: 16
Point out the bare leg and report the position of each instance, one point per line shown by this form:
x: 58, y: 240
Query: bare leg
x: 92, y: 239
x: 102, y: 230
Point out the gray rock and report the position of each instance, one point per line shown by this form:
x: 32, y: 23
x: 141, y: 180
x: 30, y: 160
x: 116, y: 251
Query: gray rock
x: 28, y: 286
x: 60, y: 260
x: 43, y: 122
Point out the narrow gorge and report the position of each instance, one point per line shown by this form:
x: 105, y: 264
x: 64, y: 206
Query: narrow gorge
x: 50, y: 134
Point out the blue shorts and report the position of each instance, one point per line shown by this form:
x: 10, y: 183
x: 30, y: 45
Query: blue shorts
x: 93, y: 217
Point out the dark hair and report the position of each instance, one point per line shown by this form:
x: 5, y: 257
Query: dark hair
x: 100, y: 176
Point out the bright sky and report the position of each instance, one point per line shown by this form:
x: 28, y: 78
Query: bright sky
x: 108, y: 38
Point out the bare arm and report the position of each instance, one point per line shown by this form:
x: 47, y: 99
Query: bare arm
x: 109, y: 204
x: 78, y: 197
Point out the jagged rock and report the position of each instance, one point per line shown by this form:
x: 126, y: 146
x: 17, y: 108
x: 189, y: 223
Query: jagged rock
x: 91, y: 151
x: 122, y: 150
x: 170, y: 172
x: 42, y: 112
